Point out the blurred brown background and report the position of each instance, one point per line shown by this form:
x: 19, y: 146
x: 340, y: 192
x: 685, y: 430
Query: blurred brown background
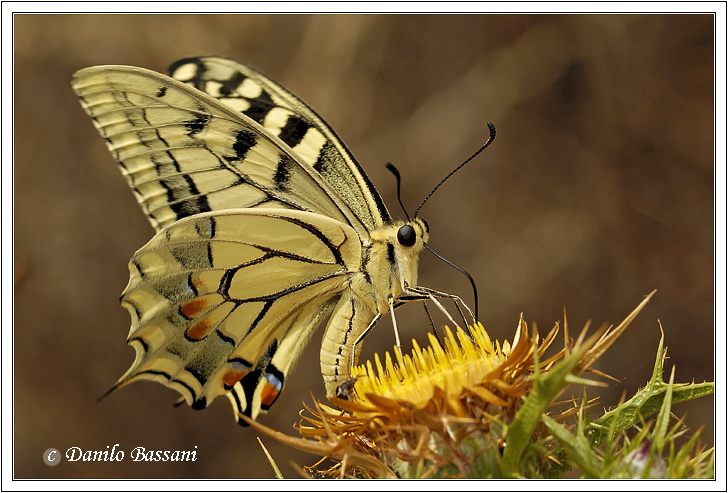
x: 598, y: 189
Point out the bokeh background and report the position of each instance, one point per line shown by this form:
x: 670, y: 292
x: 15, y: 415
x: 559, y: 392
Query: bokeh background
x: 598, y: 189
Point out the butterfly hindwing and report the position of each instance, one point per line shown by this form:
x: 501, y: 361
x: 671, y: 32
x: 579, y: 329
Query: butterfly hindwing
x: 252, y: 93
x: 222, y: 302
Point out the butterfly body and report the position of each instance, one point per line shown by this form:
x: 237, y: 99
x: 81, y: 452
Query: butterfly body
x: 265, y: 226
x: 387, y: 270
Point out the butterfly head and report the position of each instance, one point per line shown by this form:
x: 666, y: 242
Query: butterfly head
x: 411, y: 238
x: 407, y: 235
x: 392, y: 259
x: 402, y: 238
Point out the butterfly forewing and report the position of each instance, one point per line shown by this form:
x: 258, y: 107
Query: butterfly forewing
x: 184, y: 152
x: 247, y: 90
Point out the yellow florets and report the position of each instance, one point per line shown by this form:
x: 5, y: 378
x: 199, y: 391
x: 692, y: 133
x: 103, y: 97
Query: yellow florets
x: 463, y: 364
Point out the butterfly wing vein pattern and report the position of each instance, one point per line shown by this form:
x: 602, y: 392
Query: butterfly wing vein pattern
x: 293, y: 121
x: 184, y: 153
x: 240, y: 298
x: 265, y: 226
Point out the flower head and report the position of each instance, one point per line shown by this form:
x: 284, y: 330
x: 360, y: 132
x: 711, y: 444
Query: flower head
x: 471, y: 407
x: 437, y: 410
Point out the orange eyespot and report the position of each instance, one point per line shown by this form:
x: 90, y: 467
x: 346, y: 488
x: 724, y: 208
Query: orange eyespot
x: 269, y: 395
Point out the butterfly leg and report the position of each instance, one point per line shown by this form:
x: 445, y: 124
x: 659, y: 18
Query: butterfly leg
x: 420, y: 293
x: 443, y: 310
x: 432, y: 322
x: 394, y: 324
x: 447, y: 314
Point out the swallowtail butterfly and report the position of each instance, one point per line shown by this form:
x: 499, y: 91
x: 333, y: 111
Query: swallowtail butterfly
x: 265, y: 225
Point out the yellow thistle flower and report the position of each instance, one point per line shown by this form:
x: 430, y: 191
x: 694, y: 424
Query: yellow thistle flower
x: 463, y: 364
x: 466, y: 407
x: 432, y: 412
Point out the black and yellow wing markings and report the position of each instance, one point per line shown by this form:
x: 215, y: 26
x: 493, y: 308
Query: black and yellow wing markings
x: 184, y: 153
x: 246, y: 90
x: 223, y: 302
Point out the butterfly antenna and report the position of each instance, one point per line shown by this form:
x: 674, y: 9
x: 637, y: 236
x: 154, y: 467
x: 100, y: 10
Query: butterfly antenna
x: 395, y: 172
x: 491, y: 138
x: 463, y: 271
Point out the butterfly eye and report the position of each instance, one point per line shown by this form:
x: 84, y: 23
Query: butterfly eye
x: 406, y: 235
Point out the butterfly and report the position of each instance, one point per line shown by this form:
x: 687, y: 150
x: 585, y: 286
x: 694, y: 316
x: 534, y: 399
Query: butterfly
x: 266, y: 226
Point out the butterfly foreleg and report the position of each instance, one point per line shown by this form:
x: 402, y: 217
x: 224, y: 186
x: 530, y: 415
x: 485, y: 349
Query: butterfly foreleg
x: 420, y: 293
